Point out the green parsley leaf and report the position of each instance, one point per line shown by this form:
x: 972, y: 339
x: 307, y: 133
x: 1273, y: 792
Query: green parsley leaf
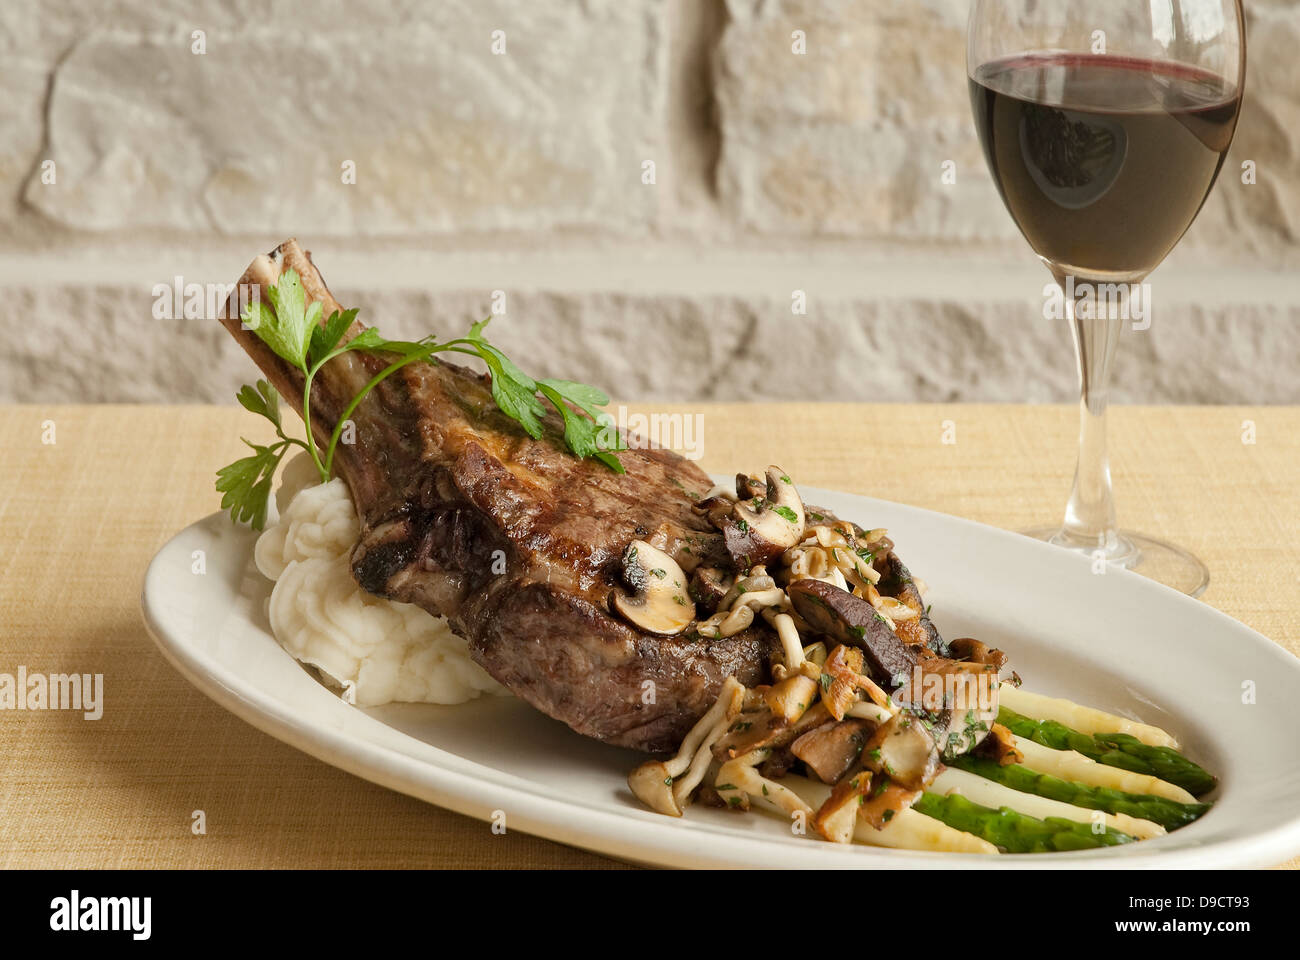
x: 579, y: 394
x: 372, y: 339
x: 595, y: 437
x: 261, y: 399
x: 325, y: 338
x: 579, y: 432
x: 285, y: 327
x: 246, y: 484
x: 513, y: 391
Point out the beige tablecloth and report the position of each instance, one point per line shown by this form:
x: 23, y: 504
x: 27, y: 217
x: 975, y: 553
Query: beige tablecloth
x: 81, y: 517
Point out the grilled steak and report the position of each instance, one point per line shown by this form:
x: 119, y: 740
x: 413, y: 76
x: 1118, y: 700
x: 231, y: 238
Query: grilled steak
x: 514, y: 540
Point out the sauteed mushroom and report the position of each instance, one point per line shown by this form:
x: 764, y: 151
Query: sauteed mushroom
x: 708, y: 586
x: 660, y: 603
x: 831, y: 749
x: 851, y: 620
x: 763, y: 527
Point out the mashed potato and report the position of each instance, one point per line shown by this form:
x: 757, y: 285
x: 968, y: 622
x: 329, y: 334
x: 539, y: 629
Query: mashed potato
x: 377, y: 651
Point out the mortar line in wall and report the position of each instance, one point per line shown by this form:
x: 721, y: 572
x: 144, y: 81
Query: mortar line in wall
x: 649, y: 272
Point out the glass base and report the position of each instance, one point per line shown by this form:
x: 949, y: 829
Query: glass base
x: 1162, y: 562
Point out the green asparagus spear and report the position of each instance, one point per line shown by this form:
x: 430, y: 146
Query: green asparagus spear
x: 1170, y: 814
x: 1015, y: 832
x: 1165, y: 763
x: 1113, y: 749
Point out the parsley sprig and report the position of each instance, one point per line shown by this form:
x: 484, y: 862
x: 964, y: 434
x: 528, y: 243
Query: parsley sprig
x: 246, y: 483
x: 293, y: 330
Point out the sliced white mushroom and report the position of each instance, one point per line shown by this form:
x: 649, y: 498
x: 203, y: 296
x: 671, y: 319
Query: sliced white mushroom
x: 659, y: 603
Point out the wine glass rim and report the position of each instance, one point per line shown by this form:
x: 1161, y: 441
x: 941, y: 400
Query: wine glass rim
x: 1060, y: 53
x: 1230, y: 77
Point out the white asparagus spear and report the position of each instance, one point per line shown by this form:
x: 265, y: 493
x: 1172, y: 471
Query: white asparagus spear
x: 908, y: 830
x: 989, y: 794
x: 1081, y: 718
x: 1072, y: 765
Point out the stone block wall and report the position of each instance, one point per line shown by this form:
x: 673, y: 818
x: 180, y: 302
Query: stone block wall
x: 655, y: 185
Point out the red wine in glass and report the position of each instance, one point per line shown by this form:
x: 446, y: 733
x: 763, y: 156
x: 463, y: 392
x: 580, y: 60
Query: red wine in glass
x: 1105, y: 124
x: 1103, y: 161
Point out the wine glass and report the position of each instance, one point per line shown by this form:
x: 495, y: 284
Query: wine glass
x: 1105, y: 124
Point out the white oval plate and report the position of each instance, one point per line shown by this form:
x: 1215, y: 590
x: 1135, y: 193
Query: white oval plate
x: 1116, y: 641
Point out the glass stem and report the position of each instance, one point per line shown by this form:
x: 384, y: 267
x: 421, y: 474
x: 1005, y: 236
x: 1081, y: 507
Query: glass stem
x: 1090, y: 514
